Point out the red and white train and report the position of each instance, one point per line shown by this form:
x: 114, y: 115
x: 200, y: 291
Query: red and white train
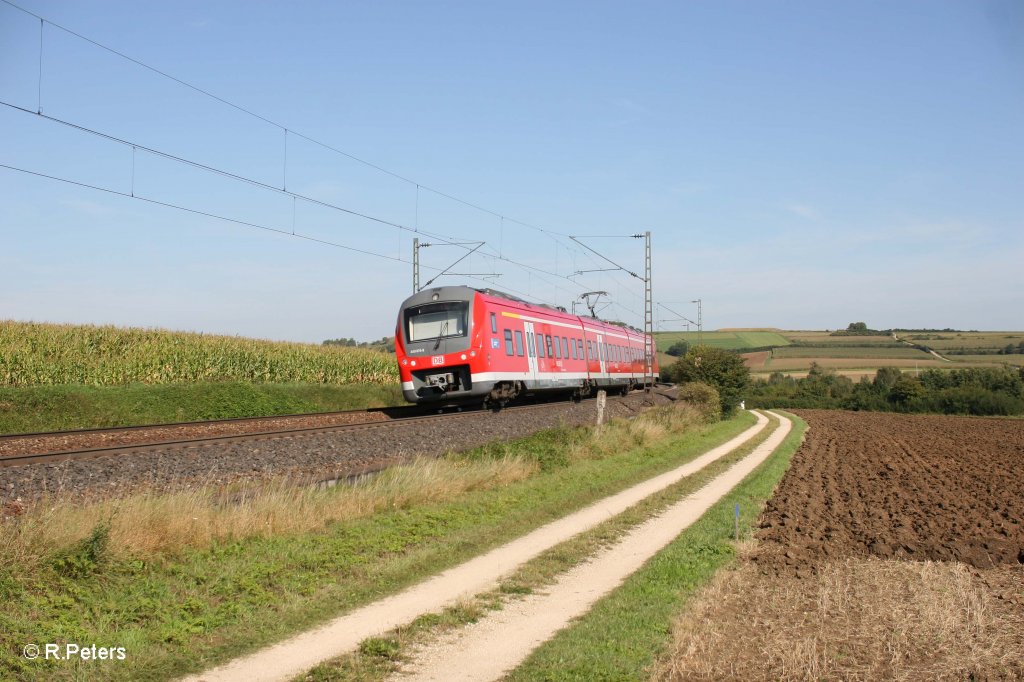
x: 458, y: 344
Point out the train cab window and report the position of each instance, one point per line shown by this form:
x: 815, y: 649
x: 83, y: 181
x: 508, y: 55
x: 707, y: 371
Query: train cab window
x: 436, y: 321
x: 508, y: 342
x: 558, y: 349
x: 519, y: 343
x: 540, y: 345
x: 494, y: 323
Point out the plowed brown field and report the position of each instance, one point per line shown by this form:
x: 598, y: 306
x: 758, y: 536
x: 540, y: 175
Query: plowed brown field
x: 905, y: 486
x: 891, y: 550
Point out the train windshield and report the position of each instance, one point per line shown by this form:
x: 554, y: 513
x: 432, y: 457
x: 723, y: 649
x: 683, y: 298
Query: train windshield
x: 436, y: 321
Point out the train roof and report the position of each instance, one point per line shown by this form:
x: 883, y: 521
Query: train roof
x: 462, y: 292
x: 501, y: 294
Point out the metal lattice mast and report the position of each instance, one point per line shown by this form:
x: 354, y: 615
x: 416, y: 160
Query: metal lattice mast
x: 415, y: 265
x: 648, y: 316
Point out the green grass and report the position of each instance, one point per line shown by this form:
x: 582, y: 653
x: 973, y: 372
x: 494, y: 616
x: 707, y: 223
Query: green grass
x: 969, y: 340
x: 55, y: 408
x: 730, y: 340
x: 989, y: 359
x: 818, y: 338
x: 545, y: 569
x: 904, y: 352
x: 622, y: 635
x: 182, y: 613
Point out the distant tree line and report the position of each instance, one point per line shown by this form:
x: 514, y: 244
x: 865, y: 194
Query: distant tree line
x: 384, y: 345
x: 972, y: 391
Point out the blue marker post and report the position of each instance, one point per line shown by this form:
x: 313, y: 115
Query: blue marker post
x: 736, y: 520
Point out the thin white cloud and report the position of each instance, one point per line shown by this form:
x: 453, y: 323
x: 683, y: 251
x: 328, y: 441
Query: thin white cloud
x: 92, y: 209
x: 804, y: 211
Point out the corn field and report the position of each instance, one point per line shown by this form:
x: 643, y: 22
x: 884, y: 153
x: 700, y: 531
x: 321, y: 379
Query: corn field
x: 34, y: 354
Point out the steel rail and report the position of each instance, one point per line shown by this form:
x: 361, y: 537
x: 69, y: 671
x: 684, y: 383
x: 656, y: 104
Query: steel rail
x: 231, y: 420
x: 89, y: 453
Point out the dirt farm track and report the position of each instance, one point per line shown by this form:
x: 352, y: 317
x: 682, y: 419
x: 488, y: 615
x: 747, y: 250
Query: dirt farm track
x: 900, y: 486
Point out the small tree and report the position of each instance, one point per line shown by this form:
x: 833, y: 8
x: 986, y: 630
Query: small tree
x: 678, y: 349
x: 716, y: 367
x: 857, y: 327
x: 905, y: 390
x: 886, y: 377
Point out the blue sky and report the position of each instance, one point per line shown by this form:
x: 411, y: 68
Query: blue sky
x: 799, y: 164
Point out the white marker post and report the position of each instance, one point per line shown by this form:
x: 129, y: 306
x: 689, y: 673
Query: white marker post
x: 602, y: 398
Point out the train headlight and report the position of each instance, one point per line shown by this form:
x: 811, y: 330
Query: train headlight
x: 413, y: 363
x: 463, y: 356
x: 405, y: 361
x: 472, y: 353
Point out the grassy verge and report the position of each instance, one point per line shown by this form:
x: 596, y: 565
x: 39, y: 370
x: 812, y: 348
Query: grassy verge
x: 379, y: 657
x: 182, y: 608
x: 621, y: 636
x: 56, y: 408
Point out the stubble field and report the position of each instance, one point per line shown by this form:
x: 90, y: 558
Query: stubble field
x: 892, y: 549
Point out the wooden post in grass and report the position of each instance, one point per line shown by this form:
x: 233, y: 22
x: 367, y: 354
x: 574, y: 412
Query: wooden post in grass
x: 602, y: 398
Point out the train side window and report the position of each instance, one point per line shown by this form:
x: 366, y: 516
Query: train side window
x: 508, y: 342
x: 519, y: 343
x: 558, y: 350
x: 572, y: 342
x: 494, y: 323
x: 565, y: 348
x: 540, y: 345
x: 547, y: 342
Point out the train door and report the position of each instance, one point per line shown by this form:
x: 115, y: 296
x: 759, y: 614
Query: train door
x: 531, y: 354
x: 600, y: 355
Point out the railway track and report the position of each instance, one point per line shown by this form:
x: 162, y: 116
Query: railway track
x: 20, y: 450
x: 313, y: 453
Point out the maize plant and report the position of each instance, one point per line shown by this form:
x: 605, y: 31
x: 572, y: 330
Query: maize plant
x: 33, y: 354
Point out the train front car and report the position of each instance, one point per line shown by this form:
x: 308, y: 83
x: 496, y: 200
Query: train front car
x: 437, y: 343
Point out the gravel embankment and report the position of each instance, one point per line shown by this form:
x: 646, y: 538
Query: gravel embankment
x: 88, y: 440
x: 304, y: 457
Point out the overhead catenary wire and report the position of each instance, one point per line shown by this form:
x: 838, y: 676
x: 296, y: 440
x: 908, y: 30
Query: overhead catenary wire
x: 223, y: 173
x: 207, y: 214
x: 448, y: 239
x: 287, y: 131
